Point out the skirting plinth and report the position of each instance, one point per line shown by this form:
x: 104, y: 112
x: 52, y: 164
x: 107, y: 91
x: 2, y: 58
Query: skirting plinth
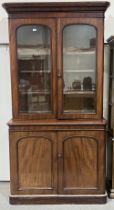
x: 58, y: 199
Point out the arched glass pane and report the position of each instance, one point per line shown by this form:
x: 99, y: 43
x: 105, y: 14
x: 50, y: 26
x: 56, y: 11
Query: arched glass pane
x: 34, y: 69
x: 79, y: 69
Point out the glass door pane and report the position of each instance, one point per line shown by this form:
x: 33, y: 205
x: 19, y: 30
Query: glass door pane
x: 79, y: 69
x: 34, y: 69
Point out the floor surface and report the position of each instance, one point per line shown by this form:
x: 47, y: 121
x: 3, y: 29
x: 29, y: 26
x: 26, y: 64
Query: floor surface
x: 4, y: 203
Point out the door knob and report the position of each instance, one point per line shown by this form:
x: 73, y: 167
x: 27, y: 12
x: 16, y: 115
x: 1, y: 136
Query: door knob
x: 60, y: 155
x: 59, y: 76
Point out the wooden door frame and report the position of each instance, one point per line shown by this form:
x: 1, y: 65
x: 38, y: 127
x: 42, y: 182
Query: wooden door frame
x: 98, y: 24
x: 14, y: 24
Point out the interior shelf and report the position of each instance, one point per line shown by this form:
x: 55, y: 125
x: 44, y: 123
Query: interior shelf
x: 35, y: 92
x: 78, y: 111
x: 36, y: 111
x: 75, y: 51
x: 79, y: 93
x: 35, y: 71
x: 65, y: 71
x: 31, y: 53
x: 79, y: 71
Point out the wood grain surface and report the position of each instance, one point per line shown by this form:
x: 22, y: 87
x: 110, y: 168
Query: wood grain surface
x: 57, y: 157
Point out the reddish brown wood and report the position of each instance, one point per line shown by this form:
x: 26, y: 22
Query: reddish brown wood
x: 80, y: 161
x: 56, y: 7
x: 56, y: 122
x: 98, y: 24
x: 62, y: 199
x: 57, y: 58
x: 86, y: 146
x: 32, y: 161
x: 57, y: 157
x: 13, y: 25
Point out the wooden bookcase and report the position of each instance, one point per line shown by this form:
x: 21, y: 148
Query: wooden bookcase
x: 57, y: 133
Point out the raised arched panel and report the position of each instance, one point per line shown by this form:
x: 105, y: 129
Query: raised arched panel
x: 80, y: 162
x: 34, y: 169
x: 35, y: 162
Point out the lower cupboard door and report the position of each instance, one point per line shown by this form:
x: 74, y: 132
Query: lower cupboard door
x: 33, y: 162
x: 81, y: 162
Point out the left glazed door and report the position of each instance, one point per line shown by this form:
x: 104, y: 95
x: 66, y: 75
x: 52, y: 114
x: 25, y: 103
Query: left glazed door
x: 33, y: 68
x: 33, y: 162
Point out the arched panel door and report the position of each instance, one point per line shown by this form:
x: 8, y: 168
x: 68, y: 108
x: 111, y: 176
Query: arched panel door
x: 79, y: 69
x: 33, y: 165
x: 79, y: 158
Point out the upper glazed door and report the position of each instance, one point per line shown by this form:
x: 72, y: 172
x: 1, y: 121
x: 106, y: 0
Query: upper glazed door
x: 34, y: 60
x: 80, y: 68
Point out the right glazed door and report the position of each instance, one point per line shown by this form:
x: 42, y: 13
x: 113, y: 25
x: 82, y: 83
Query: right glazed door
x: 79, y: 69
x: 81, y: 157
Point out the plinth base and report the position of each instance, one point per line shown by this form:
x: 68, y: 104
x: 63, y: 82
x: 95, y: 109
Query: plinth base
x: 58, y: 199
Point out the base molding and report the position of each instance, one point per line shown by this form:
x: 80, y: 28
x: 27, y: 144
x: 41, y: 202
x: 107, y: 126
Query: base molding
x: 58, y: 199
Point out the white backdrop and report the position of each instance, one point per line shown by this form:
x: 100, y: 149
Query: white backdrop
x: 5, y: 89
